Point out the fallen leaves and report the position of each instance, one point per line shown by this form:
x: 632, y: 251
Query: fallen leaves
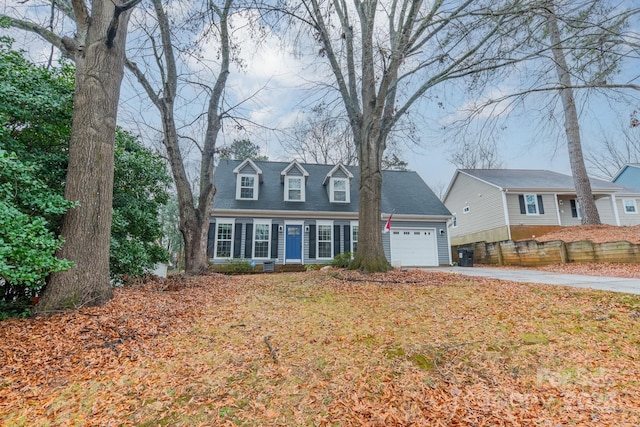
x: 394, y: 349
x: 596, y: 233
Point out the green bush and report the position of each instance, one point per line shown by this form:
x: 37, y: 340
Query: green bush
x: 27, y: 246
x: 342, y: 260
x: 235, y: 266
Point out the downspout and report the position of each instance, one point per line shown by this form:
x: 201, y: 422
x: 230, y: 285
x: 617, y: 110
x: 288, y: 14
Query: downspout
x: 506, y: 211
x: 615, y: 209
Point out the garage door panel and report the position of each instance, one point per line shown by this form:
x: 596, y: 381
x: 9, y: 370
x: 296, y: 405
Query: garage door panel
x: 413, y: 247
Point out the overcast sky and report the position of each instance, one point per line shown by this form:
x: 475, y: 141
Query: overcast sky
x: 277, y: 77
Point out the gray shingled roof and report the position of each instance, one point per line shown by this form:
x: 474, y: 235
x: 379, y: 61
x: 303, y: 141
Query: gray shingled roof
x: 527, y: 179
x: 403, y: 192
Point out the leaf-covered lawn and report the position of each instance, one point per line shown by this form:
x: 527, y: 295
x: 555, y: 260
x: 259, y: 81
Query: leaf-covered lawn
x: 329, y: 348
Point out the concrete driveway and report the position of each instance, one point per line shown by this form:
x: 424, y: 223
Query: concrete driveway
x: 615, y: 284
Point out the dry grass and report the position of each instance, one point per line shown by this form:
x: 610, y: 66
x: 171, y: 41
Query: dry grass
x: 404, y: 348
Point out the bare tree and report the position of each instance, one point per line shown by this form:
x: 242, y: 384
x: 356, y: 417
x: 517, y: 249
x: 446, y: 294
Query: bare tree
x: 322, y: 137
x: 481, y: 154
x: 581, y: 181
x: 384, y: 57
x: 194, y: 211
x: 98, y: 50
x: 614, y: 153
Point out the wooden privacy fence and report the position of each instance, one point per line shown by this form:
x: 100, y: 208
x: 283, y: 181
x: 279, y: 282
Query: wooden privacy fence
x: 534, y: 253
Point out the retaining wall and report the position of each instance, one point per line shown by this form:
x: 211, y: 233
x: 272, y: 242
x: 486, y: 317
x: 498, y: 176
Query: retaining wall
x: 534, y: 253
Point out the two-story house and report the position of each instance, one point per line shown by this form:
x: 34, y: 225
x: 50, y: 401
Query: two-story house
x: 298, y: 213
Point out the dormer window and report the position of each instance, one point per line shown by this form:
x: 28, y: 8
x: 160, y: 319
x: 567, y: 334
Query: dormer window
x: 247, y: 188
x: 339, y: 190
x: 294, y: 177
x: 248, y: 177
x: 294, y: 189
x: 338, y: 182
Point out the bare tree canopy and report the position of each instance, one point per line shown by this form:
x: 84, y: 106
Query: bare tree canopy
x: 384, y: 57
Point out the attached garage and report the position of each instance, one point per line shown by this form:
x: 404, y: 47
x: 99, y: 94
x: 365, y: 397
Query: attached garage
x: 414, y: 247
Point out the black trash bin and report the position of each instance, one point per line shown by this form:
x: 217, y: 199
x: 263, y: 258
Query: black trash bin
x: 466, y: 257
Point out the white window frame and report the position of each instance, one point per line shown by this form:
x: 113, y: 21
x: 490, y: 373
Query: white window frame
x: 535, y: 204
x: 239, y: 186
x: 578, y: 208
x: 256, y: 223
x: 318, y: 241
x: 630, y: 203
x: 287, y: 183
x: 454, y: 220
x: 219, y: 222
x: 332, y: 190
x: 355, y: 230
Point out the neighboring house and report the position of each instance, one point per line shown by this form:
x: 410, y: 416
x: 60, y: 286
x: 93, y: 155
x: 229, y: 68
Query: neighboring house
x: 506, y: 204
x: 297, y: 213
x: 628, y: 176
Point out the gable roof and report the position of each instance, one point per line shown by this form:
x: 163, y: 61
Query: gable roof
x: 403, y: 192
x: 533, y: 180
x: 623, y: 168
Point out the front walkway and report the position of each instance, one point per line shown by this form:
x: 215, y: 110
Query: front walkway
x: 615, y: 284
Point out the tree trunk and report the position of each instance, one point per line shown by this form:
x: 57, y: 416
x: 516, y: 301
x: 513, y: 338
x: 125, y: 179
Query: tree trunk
x: 581, y: 181
x: 87, y: 227
x: 194, y: 228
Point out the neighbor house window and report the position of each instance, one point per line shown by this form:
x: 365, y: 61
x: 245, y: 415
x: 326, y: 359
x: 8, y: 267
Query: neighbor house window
x: 354, y: 237
x: 630, y: 206
x: 576, y: 210
x: 247, y: 187
x: 454, y: 220
x: 339, y: 190
x: 224, y: 238
x: 294, y: 189
x: 466, y: 210
x: 531, y: 204
x: 261, y: 239
x: 325, y: 235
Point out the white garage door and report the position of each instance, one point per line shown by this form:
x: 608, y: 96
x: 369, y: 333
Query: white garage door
x: 414, y: 247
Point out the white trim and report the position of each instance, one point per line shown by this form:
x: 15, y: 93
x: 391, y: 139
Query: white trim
x: 555, y: 199
x: 616, y: 214
x: 262, y: 213
x: 323, y: 223
x: 352, y: 225
x: 633, y: 203
x: 250, y: 162
x: 287, y: 180
x: 535, y: 201
x: 332, y: 190
x: 257, y: 222
x: 505, y: 208
x: 239, y: 186
x: 220, y: 221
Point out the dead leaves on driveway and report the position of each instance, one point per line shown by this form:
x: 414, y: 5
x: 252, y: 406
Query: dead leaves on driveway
x: 401, y: 348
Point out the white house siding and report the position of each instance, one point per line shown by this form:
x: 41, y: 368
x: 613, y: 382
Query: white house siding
x: 550, y: 216
x: 486, y: 211
x: 605, y: 210
x: 626, y: 218
x: 564, y: 204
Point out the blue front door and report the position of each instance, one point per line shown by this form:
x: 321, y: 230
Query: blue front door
x: 294, y: 243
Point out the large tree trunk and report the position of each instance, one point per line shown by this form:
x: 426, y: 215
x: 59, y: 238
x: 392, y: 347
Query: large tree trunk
x: 370, y: 254
x: 87, y: 227
x: 581, y: 181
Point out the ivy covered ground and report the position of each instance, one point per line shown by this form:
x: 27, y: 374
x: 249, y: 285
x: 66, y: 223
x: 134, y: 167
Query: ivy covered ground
x: 328, y: 347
